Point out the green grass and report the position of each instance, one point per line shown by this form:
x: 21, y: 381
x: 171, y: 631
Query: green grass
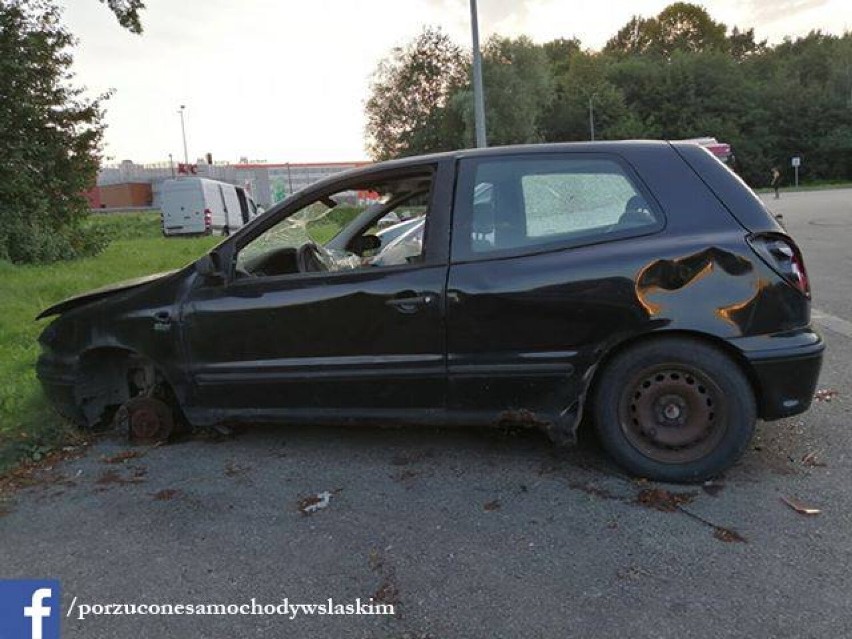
x: 28, y: 426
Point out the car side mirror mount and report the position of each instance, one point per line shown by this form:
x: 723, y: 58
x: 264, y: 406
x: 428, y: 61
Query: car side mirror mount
x: 208, y: 268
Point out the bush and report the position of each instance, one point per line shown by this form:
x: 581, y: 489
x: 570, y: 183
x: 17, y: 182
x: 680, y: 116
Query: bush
x: 33, y: 243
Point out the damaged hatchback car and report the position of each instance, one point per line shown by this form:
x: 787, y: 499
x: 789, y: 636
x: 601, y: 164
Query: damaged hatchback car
x: 639, y: 285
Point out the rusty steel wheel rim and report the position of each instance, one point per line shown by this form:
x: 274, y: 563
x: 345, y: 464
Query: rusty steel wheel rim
x: 673, y: 414
x: 145, y: 420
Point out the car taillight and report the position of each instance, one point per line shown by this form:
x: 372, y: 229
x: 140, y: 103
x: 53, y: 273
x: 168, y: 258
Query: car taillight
x: 208, y: 218
x: 785, y: 258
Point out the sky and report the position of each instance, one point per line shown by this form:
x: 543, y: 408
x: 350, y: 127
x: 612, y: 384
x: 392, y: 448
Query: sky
x: 286, y: 80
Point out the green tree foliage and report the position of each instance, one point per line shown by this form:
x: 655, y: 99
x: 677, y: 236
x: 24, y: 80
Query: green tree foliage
x: 410, y: 110
x: 49, y: 138
x: 127, y: 12
x: 519, y: 79
x: 677, y: 75
x: 679, y: 27
x: 50, y: 135
x: 688, y: 28
x: 636, y: 37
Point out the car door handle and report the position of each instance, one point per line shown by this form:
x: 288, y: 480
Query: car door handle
x: 162, y: 320
x: 410, y: 303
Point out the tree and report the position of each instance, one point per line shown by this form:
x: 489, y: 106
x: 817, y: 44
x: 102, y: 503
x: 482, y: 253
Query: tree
x: 584, y: 81
x: 409, y: 110
x: 127, y: 12
x: 679, y: 27
x: 518, y: 87
x: 560, y: 52
x: 742, y: 44
x: 49, y: 138
x: 689, y: 28
x: 634, y: 38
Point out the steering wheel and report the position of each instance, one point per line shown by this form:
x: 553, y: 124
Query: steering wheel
x: 308, y: 259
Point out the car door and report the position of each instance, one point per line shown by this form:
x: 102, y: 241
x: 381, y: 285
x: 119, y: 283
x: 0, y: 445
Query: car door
x: 326, y: 345
x: 541, y: 276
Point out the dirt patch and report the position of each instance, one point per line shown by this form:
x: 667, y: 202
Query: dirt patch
x: 521, y: 418
x: 388, y: 589
x: 123, y: 456
x: 233, y: 469
x: 387, y: 592
x: 42, y: 473
x: 663, y: 500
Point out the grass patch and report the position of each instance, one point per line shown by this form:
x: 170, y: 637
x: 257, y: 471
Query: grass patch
x: 28, y: 425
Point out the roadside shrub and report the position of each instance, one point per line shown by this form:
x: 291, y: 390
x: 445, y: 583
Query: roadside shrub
x: 33, y: 243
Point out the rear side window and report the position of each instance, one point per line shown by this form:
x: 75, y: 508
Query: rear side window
x: 529, y: 204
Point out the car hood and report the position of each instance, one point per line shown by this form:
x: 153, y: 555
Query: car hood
x: 100, y: 293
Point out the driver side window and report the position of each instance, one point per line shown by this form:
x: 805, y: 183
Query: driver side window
x: 369, y: 226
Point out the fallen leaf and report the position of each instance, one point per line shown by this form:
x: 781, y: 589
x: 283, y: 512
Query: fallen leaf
x: 727, y: 535
x: 799, y: 507
x: 167, y: 494
x: 492, y: 505
x: 811, y: 460
x: 664, y: 500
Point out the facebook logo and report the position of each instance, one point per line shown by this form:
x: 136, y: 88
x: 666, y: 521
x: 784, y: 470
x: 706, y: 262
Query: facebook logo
x: 29, y: 609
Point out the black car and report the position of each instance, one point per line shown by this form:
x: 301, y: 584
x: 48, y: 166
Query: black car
x: 641, y: 285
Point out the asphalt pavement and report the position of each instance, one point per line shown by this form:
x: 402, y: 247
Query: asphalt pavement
x: 467, y: 532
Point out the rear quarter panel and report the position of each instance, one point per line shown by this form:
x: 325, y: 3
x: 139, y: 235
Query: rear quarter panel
x: 568, y: 308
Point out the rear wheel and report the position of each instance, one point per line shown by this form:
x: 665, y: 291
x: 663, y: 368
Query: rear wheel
x: 674, y: 410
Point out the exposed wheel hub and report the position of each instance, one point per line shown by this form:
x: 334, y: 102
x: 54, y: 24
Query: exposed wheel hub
x: 671, y: 410
x: 145, y: 419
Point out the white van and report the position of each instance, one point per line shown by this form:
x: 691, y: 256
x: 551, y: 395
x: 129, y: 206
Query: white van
x: 193, y: 205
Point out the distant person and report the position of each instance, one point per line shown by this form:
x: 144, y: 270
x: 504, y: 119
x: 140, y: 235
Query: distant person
x: 776, y: 180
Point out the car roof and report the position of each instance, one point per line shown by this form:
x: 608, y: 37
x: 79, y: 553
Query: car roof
x: 493, y: 151
x: 512, y: 149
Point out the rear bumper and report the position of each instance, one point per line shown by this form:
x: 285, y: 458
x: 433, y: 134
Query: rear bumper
x: 786, y: 375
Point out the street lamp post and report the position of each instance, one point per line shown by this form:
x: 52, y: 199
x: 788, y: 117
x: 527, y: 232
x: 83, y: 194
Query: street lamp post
x: 478, y: 98
x: 592, y: 117
x: 183, y: 133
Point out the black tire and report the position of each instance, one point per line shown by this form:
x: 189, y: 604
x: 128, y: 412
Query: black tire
x: 674, y: 409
